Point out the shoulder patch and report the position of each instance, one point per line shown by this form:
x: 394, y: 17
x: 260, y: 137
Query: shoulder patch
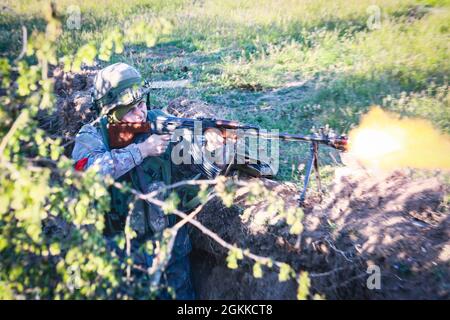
x: 81, y: 164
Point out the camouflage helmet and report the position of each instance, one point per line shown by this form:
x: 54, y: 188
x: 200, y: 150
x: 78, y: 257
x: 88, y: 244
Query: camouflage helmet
x: 118, y: 85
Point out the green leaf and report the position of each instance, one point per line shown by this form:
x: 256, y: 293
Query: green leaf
x: 296, y: 228
x: 285, y: 272
x: 304, y: 283
x: 257, y: 270
x: 55, y: 249
x: 232, y: 260
x: 3, y: 243
x: 149, y: 247
x: 318, y: 297
x: 171, y: 203
x: 203, y: 193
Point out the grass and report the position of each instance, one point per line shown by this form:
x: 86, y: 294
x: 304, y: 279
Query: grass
x: 286, y: 64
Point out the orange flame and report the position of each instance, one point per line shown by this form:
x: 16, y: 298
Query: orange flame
x: 385, y: 141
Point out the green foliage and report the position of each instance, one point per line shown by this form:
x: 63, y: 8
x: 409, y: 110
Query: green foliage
x: 286, y: 272
x: 5, y: 72
x: 203, y: 193
x: 113, y: 40
x: 85, y: 55
x: 52, y: 217
x: 257, y: 270
x: 27, y: 80
x: 171, y: 203
x: 234, y: 255
x: 303, y: 288
x: 225, y: 189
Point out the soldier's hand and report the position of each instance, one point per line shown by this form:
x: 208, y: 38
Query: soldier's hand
x: 154, y: 145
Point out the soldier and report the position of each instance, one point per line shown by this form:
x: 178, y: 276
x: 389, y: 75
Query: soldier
x: 145, y: 163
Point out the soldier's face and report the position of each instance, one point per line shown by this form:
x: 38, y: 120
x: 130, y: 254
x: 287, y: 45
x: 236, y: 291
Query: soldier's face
x: 136, y: 114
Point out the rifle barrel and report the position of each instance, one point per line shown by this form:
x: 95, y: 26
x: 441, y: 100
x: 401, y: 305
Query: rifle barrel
x: 287, y: 136
x: 339, y: 143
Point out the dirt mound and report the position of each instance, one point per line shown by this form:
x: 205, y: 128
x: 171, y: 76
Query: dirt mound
x: 74, y: 106
x: 395, y: 221
x: 74, y: 102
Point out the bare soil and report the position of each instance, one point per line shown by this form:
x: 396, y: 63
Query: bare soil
x: 395, y: 221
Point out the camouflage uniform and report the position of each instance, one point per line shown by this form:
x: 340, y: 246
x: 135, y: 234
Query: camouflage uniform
x: 89, y: 144
x: 144, y: 174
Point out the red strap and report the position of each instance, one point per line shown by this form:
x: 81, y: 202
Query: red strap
x: 80, y: 164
